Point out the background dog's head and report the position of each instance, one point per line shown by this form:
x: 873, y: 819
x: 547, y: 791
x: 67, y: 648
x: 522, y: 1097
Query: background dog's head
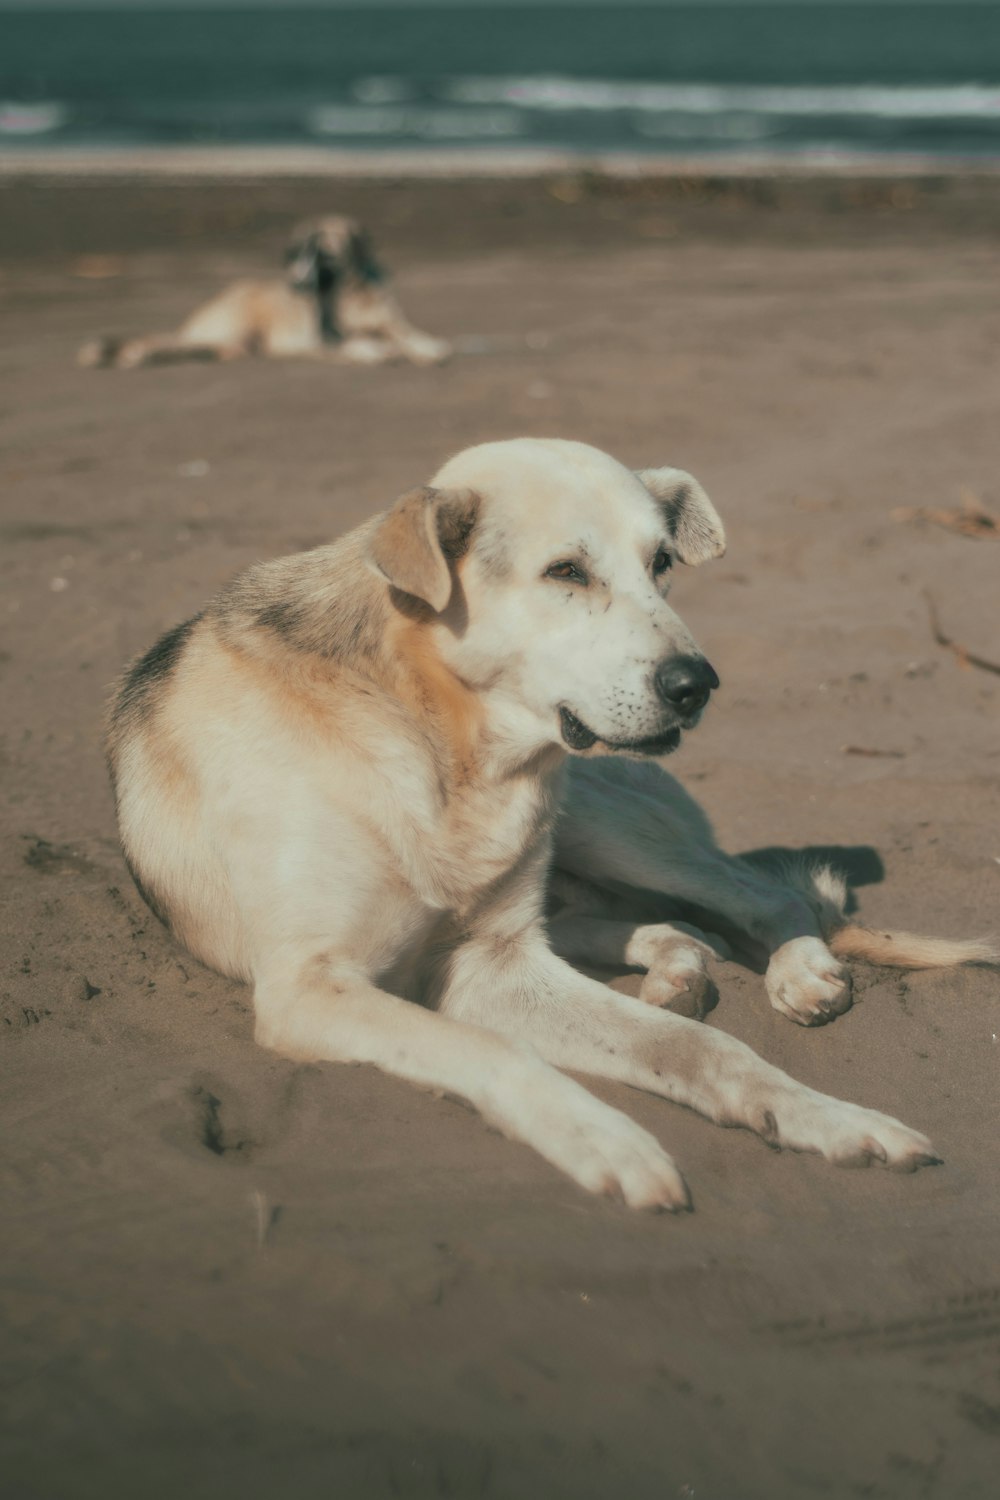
x: 324, y: 253
x: 546, y: 566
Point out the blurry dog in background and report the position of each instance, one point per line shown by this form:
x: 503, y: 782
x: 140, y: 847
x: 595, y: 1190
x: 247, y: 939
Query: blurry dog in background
x: 333, y: 304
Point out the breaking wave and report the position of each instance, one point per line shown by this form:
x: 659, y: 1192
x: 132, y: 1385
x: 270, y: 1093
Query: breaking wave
x: 955, y: 102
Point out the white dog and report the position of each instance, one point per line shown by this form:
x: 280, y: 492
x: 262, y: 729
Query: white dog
x: 342, y: 781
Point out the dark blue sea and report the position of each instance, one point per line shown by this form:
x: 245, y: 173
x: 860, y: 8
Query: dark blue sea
x: 846, y: 80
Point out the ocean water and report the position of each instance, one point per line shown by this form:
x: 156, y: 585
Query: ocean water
x: 762, y: 78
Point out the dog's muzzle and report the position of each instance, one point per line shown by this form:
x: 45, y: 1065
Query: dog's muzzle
x: 683, y: 685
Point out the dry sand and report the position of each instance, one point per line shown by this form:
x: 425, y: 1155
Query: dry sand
x: 228, y: 1275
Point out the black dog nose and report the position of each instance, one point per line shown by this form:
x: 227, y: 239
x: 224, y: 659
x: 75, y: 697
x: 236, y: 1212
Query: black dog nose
x: 684, y: 682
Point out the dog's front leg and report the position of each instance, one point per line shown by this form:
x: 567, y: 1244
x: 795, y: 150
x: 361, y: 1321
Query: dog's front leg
x: 420, y: 348
x: 321, y: 1007
x: 412, y: 343
x: 635, y: 826
x: 523, y: 989
x: 357, y: 349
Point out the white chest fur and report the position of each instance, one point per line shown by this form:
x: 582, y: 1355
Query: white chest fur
x: 473, y: 836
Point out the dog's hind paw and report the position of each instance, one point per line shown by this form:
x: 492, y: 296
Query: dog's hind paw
x: 806, y: 983
x: 421, y: 349
x: 675, y: 958
x: 685, y: 992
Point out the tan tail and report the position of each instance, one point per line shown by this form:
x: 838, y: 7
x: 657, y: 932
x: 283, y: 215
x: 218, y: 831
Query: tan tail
x: 827, y: 890
x: 906, y: 950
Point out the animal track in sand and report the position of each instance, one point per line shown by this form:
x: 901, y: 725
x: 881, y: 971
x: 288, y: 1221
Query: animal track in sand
x: 203, y: 1115
x: 214, y: 1135
x: 941, y: 1330
x: 55, y: 859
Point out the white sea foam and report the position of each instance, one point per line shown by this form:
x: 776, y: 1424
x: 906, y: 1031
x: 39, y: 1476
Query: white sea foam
x: 18, y: 118
x: 960, y: 101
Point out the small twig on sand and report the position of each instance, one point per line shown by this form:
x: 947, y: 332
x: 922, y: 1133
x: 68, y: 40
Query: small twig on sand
x: 972, y: 519
x: 964, y: 657
x: 865, y: 750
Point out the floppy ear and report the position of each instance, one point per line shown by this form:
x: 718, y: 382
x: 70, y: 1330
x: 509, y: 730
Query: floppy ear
x: 697, y: 531
x: 415, y: 542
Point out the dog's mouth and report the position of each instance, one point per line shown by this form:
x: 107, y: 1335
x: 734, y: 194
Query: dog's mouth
x: 577, y: 736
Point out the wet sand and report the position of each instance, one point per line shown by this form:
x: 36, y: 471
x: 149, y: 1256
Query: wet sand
x: 226, y: 1274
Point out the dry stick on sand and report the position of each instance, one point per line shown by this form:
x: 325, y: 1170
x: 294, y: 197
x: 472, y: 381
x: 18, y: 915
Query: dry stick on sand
x: 965, y: 658
x: 972, y: 519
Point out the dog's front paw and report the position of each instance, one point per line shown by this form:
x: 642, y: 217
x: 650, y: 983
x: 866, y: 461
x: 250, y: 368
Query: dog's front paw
x: 599, y: 1147
x: 626, y: 1162
x: 365, y: 351
x: 423, y: 350
x: 848, y: 1135
x: 806, y: 983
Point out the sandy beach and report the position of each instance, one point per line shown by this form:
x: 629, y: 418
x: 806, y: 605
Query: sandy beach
x: 225, y: 1274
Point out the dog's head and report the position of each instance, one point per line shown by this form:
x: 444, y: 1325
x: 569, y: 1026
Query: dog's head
x: 323, y: 253
x: 545, y: 567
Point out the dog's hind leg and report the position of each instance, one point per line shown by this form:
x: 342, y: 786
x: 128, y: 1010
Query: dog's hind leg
x: 172, y: 349
x: 154, y: 349
x: 322, y: 1008
x: 604, y: 929
x: 632, y: 825
x: 674, y: 955
x: 577, y: 1023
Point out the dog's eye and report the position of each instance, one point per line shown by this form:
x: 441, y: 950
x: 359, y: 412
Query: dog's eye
x: 568, y: 572
x: 662, y: 563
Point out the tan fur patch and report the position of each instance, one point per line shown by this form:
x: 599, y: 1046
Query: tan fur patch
x: 436, y: 694
x: 301, y: 689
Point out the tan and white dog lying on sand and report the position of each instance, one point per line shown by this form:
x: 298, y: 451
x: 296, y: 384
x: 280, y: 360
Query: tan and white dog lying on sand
x: 334, y: 304
x: 343, y: 783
